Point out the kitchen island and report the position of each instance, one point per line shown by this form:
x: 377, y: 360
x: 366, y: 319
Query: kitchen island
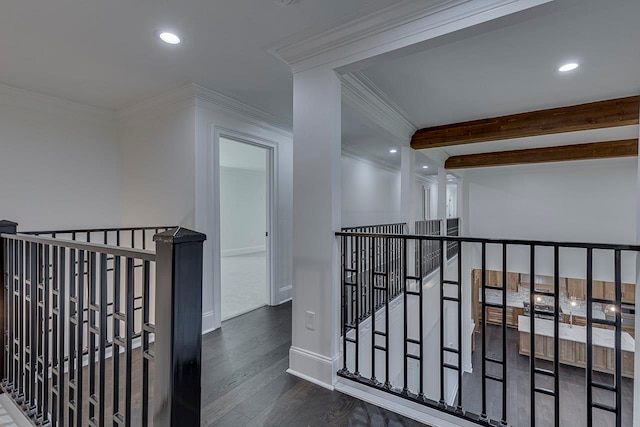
x: 572, y: 341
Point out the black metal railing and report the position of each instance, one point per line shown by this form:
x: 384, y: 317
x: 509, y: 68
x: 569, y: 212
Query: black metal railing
x: 366, y: 258
x: 429, y: 255
x: 391, y: 354
x: 130, y: 237
x: 453, y: 229
x: 395, y: 228
x: 76, y: 350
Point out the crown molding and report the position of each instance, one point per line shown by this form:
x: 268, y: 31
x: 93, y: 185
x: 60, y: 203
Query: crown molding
x: 13, y: 96
x: 245, y: 111
x: 169, y: 101
x: 192, y: 94
x: 371, y: 160
x: 397, y: 26
x: 361, y: 93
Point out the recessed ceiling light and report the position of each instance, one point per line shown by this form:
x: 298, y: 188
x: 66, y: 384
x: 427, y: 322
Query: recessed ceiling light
x: 169, y: 38
x: 425, y: 167
x: 568, y: 67
x: 393, y: 150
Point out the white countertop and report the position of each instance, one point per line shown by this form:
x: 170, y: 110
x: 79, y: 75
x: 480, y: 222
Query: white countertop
x: 515, y: 299
x: 601, y: 337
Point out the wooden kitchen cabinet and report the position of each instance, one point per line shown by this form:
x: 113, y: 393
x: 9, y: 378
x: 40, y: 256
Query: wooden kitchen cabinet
x: 609, y: 291
x: 577, y: 288
x: 494, y: 315
x: 513, y: 279
x: 627, y: 364
x: 597, y: 289
x: 629, y: 293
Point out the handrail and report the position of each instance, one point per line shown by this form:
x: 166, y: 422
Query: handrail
x: 373, y: 225
x: 96, y: 230
x: 142, y: 254
x: 521, y: 242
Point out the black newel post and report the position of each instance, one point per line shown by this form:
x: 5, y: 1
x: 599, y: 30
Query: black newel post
x: 7, y: 227
x: 178, y: 329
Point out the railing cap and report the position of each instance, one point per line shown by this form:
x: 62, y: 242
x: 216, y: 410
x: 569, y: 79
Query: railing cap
x: 7, y: 226
x: 179, y: 235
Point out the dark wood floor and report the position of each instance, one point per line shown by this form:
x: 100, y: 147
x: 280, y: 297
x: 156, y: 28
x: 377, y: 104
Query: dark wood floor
x: 244, y: 382
x: 573, y: 407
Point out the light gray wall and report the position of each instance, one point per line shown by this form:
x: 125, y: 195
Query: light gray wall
x: 370, y: 193
x: 60, y: 165
x: 159, y: 168
x: 243, y: 215
x: 587, y: 201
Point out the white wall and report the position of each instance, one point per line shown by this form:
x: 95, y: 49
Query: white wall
x: 586, y: 201
x: 213, y: 121
x: 243, y: 212
x: 370, y: 193
x: 59, y: 163
x: 171, y: 175
x: 158, y: 160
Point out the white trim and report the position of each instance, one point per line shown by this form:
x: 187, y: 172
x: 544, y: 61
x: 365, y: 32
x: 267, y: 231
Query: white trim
x: 308, y: 378
x: 360, y: 92
x: 244, y: 111
x: 243, y: 251
x: 208, y: 322
x: 192, y: 94
x: 286, y: 294
x: 373, y: 161
x: 392, y: 28
x: 302, y: 362
x: 13, y: 96
x: 169, y: 101
x: 213, y: 196
x: 415, y: 411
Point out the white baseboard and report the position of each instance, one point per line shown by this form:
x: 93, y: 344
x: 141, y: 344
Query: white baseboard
x: 308, y: 378
x: 399, y: 405
x: 313, y: 367
x: 208, y: 323
x: 244, y: 251
x: 285, y: 294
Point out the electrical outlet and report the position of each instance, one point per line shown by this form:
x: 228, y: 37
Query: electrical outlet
x: 310, y: 320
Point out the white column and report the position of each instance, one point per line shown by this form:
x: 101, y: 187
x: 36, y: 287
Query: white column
x: 408, y: 187
x: 316, y: 217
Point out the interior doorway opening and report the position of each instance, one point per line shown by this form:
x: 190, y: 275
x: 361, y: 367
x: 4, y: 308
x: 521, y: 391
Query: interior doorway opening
x: 245, y: 182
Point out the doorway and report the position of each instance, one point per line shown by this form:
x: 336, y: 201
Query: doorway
x: 245, y: 183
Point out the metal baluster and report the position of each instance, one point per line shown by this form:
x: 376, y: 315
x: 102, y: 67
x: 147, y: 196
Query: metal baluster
x: 44, y: 403
x: 117, y: 339
x: 102, y: 395
x: 130, y: 295
x: 442, y: 402
x: 146, y: 331
x: 589, y: 372
x: 62, y: 301
x: 483, y: 414
x: 421, y: 326
x: 532, y: 335
x: 387, y: 331
x: 618, y: 338
x: 504, y: 333
x: 556, y: 335
x: 92, y: 332
x: 80, y: 338
x: 372, y: 286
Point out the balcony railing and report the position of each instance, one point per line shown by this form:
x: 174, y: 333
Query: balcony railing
x: 419, y: 350
x: 82, y: 343
x: 429, y: 254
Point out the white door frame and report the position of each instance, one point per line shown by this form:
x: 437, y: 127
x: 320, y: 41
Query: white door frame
x: 272, y: 241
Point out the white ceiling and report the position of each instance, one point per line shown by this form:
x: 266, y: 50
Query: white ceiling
x: 106, y: 53
x: 514, y: 69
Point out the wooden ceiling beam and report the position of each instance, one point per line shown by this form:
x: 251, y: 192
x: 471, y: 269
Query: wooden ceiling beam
x: 596, y: 150
x: 595, y: 115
